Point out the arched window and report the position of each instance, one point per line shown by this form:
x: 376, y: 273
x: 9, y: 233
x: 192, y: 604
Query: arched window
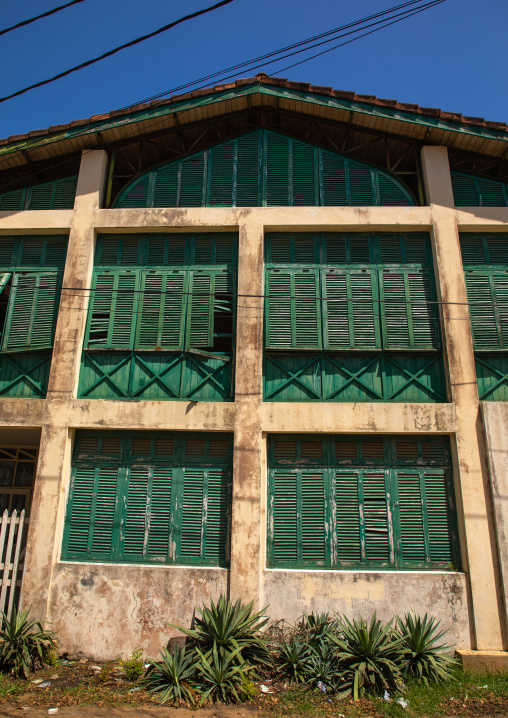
x: 264, y: 168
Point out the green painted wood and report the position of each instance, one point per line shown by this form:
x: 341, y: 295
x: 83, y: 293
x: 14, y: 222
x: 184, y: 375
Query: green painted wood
x: 59, y: 194
x: 358, y: 376
x: 140, y: 375
x: 475, y: 191
x: 25, y: 375
x: 492, y: 376
x: 32, y: 252
x: 149, y: 498
x: 361, y: 292
x: 351, y: 502
x: 31, y: 312
x: 485, y: 260
x: 264, y: 168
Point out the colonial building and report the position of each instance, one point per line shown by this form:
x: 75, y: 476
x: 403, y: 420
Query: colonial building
x: 255, y: 342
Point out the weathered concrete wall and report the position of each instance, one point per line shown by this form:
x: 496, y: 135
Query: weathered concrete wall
x: 495, y: 423
x: 357, y: 594
x: 118, y: 608
x: 130, y: 597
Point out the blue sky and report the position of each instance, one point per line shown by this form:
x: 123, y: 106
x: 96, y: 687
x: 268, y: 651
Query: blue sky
x: 452, y: 56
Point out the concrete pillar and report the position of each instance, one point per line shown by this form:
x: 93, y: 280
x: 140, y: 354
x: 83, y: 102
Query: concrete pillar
x: 70, y: 327
x: 436, y: 176
x: 246, y: 557
x: 43, y: 545
x: 471, y: 474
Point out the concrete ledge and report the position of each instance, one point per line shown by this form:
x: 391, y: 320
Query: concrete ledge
x: 483, y: 661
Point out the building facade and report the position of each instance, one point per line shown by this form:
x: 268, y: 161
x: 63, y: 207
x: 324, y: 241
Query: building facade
x: 257, y: 337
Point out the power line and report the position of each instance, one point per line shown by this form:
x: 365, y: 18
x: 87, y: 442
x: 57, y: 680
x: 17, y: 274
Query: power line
x: 117, y: 49
x: 39, y: 17
x: 268, y: 55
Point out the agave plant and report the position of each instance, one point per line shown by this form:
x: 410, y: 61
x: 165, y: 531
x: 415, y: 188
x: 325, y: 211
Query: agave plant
x: 227, y: 627
x: 371, y: 656
x: 318, y: 628
x: 222, y: 676
x: 424, y: 655
x: 292, y: 658
x: 24, y: 644
x: 322, y: 666
x: 172, y: 678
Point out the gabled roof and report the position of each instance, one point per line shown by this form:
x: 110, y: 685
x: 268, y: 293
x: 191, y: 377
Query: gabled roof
x: 445, y: 127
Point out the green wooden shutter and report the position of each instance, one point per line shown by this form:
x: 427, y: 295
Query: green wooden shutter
x: 32, y: 312
x: 409, y: 318
x: 136, y: 194
x: 147, y: 512
x: 79, y: 512
x: 334, y: 191
x: 7, y: 245
x: 390, y: 193
x: 161, y: 311
x: 200, y: 310
x: 217, y: 516
x: 298, y: 532
x: 222, y: 175
x: 361, y: 185
x: 192, y: 515
x: 375, y: 524
x: 248, y: 170
x: 347, y: 509
x: 304, y: 173
x: 293, y: 308
x: 413, y: 521
x: 313, y: 531
x: 13, y: 201
x: 465, y: 192
x: 41, y: 196
x: 492, y: 194
x: 283, y: 522
x: 350, y: 313
x: 113, y: 310
x: 91, y: 513
x: 166, y: 186
x: 437, y: 505
x: 65, y: 193
x: 192, y: 184
x: 277, y: 150
x: 488, y: 307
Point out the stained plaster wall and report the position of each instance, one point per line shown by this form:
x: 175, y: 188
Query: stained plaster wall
x: 136, y: 601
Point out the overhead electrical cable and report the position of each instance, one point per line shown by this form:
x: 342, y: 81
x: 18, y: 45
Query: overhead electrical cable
x: 117, y: 49
x: 268, y: 55
x: 39, y: 17
x: 408, y: 13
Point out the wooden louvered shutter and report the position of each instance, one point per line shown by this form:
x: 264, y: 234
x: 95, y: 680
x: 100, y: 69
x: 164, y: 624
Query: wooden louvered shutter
x: 165, y: 192
x: 334, y: 192
x: 41, y: 196
x: 65, y: 193
x: 192, y: 184
x: 347, y: 517
x: 113, y: 310
x: 161, y: 311
x: 350, y: 313
x: 412, y: 519
x: 298, y: 531
x: 248, y: 171
x: 200, y: 309
x: 147, y: 512
x: 32, y: 312
x: 487, y: 294
x: 361, y: 189
x: 13, y: 201
x: 277, y: 170
x: 4, y: 278
x: 191, y: 521
x: 375, y: 526
x: 217, y: 516
x: 222, y: 159
x: 304, y: 173
x: 91, y: 512
x: 465, y: 192
x: 293, y: 308
x: 408, y: 314
x: 437, y: 501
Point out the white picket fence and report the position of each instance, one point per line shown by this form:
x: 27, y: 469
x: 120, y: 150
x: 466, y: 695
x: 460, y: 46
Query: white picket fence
x: 13, y: 530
